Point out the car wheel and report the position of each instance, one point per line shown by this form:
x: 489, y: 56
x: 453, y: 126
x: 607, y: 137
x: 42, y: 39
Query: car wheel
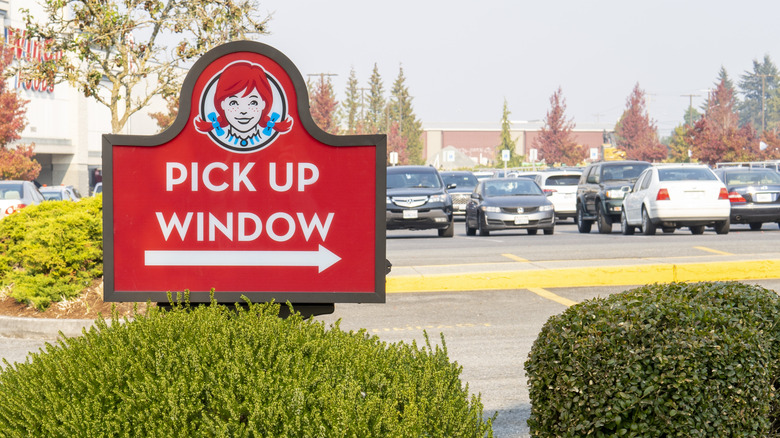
x: 449, y: 231
x: 755, y: 226
x: 603, y: 220
x: 698, y: 229
x: 625, y: 228
x: 481, y: 224
x: 648, y: 229
x: 583, y: 226
x: 549, y: 231
x: 722, y: 227
x: 532, y: 231
x: 470, y: 231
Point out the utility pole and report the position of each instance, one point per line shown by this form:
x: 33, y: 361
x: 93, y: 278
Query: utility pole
x: 690, y: 105
x: 763, y: 95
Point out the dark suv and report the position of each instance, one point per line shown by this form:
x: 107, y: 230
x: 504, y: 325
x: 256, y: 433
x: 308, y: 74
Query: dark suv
x: 601, y: 190
x: 417, y: 199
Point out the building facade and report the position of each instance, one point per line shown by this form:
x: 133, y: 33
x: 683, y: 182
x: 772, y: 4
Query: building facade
x: 65, y: 127
x: 446, y: 144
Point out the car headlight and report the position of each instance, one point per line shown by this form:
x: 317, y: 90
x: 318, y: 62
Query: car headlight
x: 546, y: 208
x: 616, y: 194
x: 439, y: 198
x: 490, y: 209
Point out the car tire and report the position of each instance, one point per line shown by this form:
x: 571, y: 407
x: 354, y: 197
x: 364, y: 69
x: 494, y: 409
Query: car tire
x: 583, y: 226
x: 482, y: 226
x: 722, y: 227
x: 470, y: 231
x: 755, y: 226
x: 532, y: 231
x: 603, y: 220
x: 449, y: 231
x: 648, y: 228
x: 549, y: 231
x: 698, y: 229
x: 625, y: 228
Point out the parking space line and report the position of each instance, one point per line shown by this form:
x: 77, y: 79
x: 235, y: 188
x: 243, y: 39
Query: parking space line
x: 515, y: 258
x: 714, y: 251
x: 551, y: 296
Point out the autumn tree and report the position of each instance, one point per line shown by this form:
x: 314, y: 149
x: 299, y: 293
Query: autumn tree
x: 555, y: 142
x: 400, y: 112
x: 397, y: 143
x: 679, y: 145
x: 323, y: 104
x: 772, y: 141
x: 122, y: 53
x: 636, y: 133
x: 717, y: 136
x: 15, y: 162
x: 761, y: 102
x: 375, y: 118
x: 165, y: 119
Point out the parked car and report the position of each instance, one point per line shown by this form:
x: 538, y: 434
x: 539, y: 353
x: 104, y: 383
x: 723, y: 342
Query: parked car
x: 60, y: 193
x: 15, y: 195
x: 460, y: 184
x: 98, y: 189
x: 417, y: 199
x: 509, y: 203
x: 600, y: 192
x: 675, y: 196
x: 561, y: 186
x: 754, y: 193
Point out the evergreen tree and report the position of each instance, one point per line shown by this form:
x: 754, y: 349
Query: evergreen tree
x: 761, y: 103
x: 401, y: 112
x: 636, y: 133
x: 507, y: 142
x: 555, y: 142
x: 350, y: 108
x: 323, y: 104
x: 679, y: 145
x: 376, y: 118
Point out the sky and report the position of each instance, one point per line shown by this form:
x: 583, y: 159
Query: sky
x: 463, y: 59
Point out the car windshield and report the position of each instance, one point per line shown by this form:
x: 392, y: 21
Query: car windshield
x: 686, y: 174
x: 563, y: 180
x: 622, y: 172
x: 460, y: 180
x: 512, y: 187
x: 11, y: 191
x: 412, y: 179
x: 52, y: 196
x: 753, y: 177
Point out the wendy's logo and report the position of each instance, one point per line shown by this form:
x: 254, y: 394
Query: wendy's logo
x: 243, y: 108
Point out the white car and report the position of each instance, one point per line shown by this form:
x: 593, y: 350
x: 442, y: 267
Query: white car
x: 15, y: 195
x: 561, y: 187
x: 673, y: 196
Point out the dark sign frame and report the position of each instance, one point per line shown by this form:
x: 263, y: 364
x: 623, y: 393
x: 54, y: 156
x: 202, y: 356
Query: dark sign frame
x: 305, y: 118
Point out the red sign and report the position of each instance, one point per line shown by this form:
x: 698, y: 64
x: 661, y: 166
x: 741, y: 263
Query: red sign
x: 244, y: 194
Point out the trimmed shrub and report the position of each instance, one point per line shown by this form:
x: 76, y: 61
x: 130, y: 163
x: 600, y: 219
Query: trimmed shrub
x: 51, y: 251
x: 694, y: 360
x: 214, y: 371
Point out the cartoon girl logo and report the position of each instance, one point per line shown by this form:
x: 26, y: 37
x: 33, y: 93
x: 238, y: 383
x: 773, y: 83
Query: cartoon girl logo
x: 243, y: 108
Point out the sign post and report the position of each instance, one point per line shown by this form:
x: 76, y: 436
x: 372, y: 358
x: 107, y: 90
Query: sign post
x: 244, y: 194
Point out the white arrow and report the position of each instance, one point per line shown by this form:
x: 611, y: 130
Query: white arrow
x: 322, y: 258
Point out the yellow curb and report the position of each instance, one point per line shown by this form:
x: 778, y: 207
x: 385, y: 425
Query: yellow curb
x: 587, y: 277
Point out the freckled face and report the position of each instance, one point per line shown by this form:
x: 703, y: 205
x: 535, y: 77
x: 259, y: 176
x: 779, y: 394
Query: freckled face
x: 243, y: 111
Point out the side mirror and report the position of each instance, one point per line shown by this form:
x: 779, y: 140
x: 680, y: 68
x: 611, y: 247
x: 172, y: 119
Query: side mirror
x: 476, y: 196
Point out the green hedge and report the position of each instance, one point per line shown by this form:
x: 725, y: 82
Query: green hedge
x: 52, y: 251
x: 693, y: 360
x: 213, y: 371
